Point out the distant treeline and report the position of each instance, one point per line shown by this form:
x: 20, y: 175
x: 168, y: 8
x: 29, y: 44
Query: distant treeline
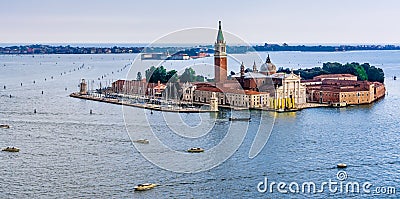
x: 231, y: 49
x: 320, y: 48
x: 362, y: 71
x: 47, y: 49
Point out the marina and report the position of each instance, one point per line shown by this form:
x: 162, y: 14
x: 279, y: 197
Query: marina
x: 154, y: 107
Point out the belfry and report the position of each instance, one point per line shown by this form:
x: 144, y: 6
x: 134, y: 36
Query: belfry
x: 220, y: 58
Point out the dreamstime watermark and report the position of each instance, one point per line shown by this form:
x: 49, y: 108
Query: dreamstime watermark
x: 339, y: 185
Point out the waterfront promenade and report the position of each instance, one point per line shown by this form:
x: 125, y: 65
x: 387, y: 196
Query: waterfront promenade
x: 175, y: 108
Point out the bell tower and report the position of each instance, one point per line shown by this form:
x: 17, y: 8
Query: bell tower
x: 220, y: 58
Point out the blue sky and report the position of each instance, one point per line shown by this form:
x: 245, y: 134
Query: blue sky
x: 256, y: 21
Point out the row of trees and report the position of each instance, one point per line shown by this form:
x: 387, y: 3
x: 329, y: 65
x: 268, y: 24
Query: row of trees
x: 155, y: 74
x: 362, y: 71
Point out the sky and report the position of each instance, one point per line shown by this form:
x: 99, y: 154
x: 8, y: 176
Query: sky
x: 255, y: 21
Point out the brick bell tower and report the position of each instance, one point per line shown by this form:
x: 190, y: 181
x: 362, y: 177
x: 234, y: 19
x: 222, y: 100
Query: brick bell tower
x: 220, y: 59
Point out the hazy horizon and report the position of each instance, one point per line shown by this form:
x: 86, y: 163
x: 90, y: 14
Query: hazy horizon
x: 109, y: 45
x: 122, y: 21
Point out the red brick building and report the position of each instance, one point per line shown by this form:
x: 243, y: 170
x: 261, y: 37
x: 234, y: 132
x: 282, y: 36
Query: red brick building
x: 345, y: 91
x: 135, y: 87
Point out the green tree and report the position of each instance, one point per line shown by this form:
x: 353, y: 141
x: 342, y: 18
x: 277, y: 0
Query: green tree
x: 199, y: 78
x: 139, y: 76
x: 149, y: 74
x: 360, y: 72
x: 374, y: 74
x: 172, y: 76
x: 363, y: 71
x: 153, y: 75
x: 188, y: 75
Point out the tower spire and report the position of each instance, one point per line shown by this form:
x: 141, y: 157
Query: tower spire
x: 220, y: 36
x: 268, y: 59
x: 242, y: 70
x: 255, y: 67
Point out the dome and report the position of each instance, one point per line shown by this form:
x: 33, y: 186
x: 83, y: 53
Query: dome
x: 268, y: 66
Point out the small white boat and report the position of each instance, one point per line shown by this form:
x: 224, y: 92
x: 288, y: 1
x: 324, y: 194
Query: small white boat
x: 339, y: 104
x: 144, y: 187
x: 4, y: 126
x: 341, y: 165
x: 239, y: 119
x: 195, y: 150
x: 11, y: 149
x: 142, y: 141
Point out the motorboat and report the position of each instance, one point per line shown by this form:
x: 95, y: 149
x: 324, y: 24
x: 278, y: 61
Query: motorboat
x: 4, y: 126
x: 11, y: 149
x: 142, y: 141
x: 195, y: 150
x: 341, y: 165
x: 144, y: 187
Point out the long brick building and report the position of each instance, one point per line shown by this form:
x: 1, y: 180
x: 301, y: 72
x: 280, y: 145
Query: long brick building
x: 334, y: 89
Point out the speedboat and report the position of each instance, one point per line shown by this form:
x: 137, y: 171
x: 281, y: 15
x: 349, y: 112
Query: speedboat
x: 4, y: 126
x: 341, y: 165
x: 195, y: 150
x: 11, y: 149
x: 144, y: 187
x: 143, y: 141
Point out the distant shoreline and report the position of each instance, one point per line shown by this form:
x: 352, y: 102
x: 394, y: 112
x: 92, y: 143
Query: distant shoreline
x: 36, y: 49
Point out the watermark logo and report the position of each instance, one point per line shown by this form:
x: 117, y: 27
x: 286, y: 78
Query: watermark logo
x: 340, y: 185
x: 169, y: 131
x: 341, y: 175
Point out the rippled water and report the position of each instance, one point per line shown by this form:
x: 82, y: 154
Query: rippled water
x: 67, y: 152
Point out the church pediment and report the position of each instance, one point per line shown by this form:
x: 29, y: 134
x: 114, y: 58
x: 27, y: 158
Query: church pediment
x: 292, y: 76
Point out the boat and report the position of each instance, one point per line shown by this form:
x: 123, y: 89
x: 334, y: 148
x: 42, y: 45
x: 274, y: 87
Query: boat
x: 4, y: 126
x: 144, y: 187
x: 239, y: 119
x: 341, y: 165
x: 142, y: 141
x: 287, y: 110
x: 11, y: 149
x: 339, y: 104
x: 195, y: 150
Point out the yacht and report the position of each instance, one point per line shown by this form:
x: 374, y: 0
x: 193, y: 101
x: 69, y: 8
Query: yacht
x: 11, y: 149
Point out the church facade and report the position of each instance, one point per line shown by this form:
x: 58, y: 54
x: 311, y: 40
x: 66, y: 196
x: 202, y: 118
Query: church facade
x: 262, y: 88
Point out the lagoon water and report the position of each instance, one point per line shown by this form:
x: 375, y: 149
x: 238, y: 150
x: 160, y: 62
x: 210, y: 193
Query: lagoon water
x: 68, y: 153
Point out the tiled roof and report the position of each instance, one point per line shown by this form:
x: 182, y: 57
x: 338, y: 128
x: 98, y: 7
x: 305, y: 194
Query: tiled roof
x: 332, y: 76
